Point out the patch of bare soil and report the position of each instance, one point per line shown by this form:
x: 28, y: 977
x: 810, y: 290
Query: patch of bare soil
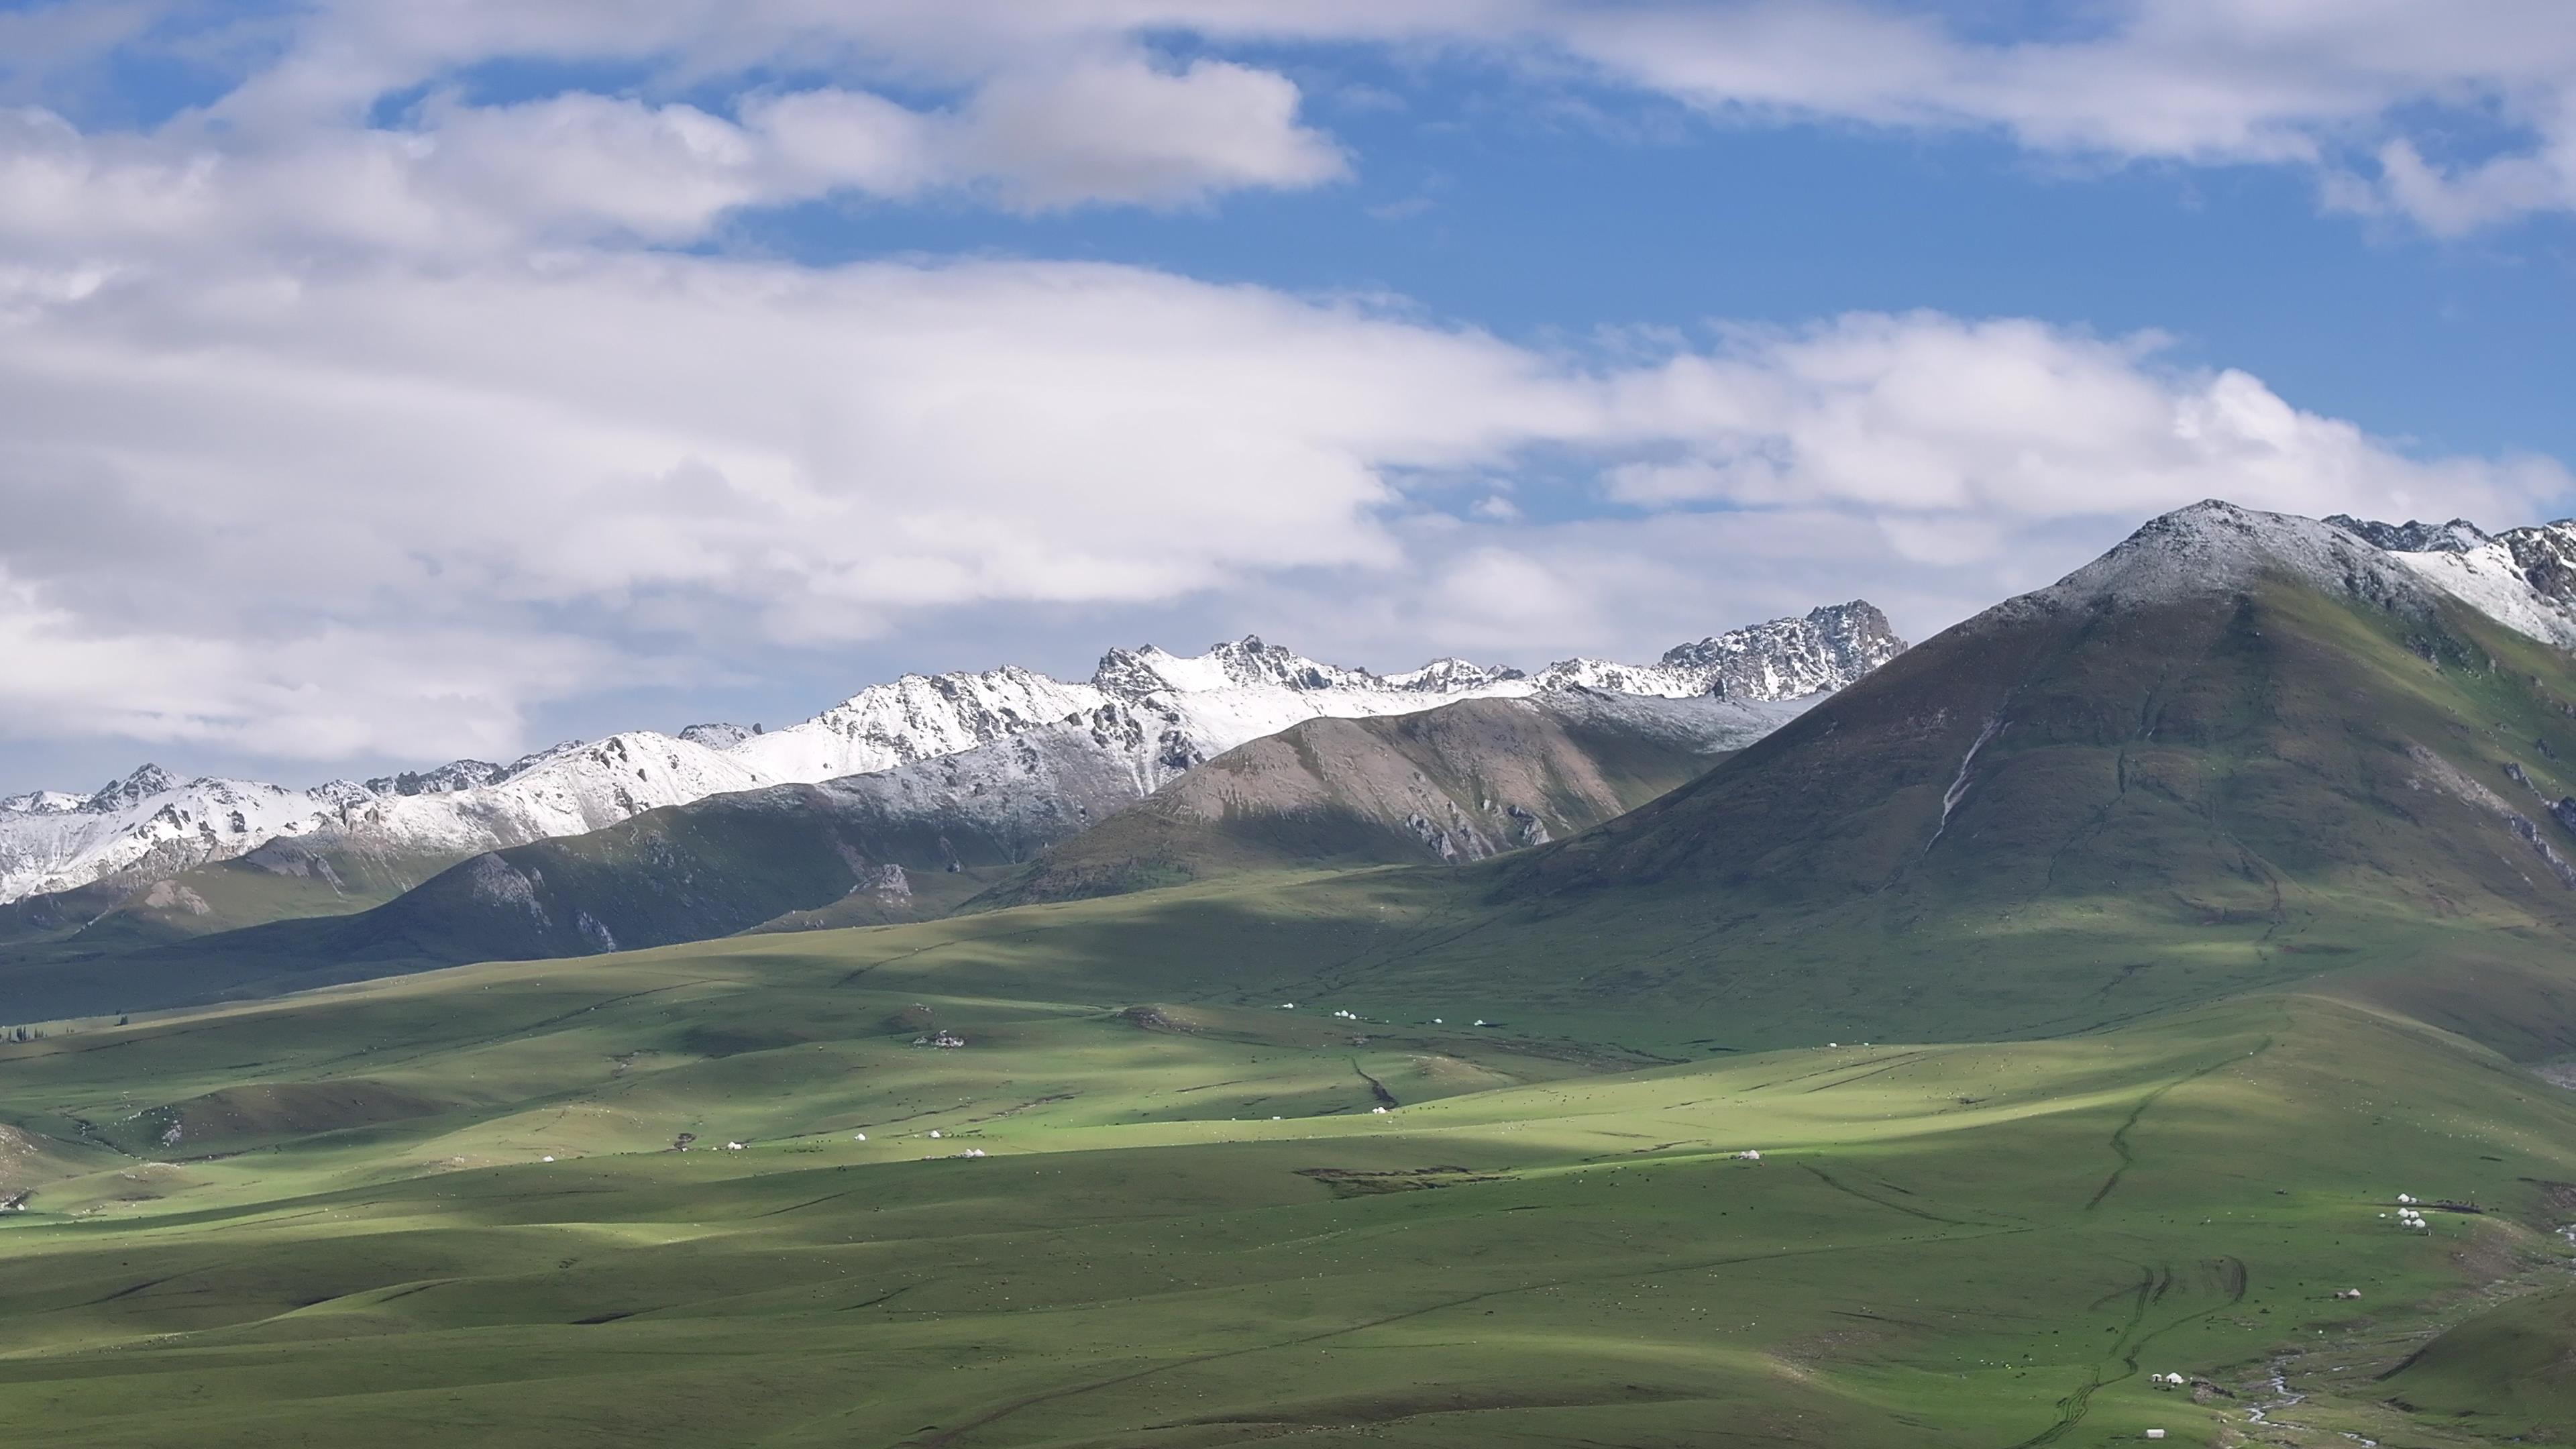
x: 1355, y: 1182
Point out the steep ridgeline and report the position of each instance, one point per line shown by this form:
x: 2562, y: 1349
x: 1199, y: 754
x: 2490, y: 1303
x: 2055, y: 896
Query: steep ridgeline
x: 2241, y: 747
x: 1457, y: 784
x: 1168, y: 712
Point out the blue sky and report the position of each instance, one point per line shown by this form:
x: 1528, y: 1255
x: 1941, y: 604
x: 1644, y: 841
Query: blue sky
x: 386, y: 384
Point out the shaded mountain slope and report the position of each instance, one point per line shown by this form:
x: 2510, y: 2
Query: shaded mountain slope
x: 1460, y: 783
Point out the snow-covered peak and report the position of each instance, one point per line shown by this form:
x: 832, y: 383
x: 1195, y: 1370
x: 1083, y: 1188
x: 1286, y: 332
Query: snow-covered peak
x: 446, y: 779
x: 916, y: 717
x: 1453, y: 676
x: 148, y: 825
x: 2457, y: 536
x: 716, y: 736
x: 42, y: 802
x: 147, y: 781
x: 1788, y: 658
x: 1136, y: 673
x: 2217, y: 546
x: 2524, y: 578
x: 2546, y: 555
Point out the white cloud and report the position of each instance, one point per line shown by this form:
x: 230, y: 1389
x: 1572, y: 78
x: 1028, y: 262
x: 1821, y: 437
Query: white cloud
x: 1926, y: 414
x: 2203, y: 81
x: 533, y: 480
x: 1068, y: 103
x: 463, y: 180
x: 1117, y: 128
x: 329, y: 692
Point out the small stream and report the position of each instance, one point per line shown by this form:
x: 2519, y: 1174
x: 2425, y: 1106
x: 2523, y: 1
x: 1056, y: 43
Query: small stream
x: 2282, y: 1398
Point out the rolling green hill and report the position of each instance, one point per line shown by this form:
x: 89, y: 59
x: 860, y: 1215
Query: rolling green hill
x: 331, y: 1217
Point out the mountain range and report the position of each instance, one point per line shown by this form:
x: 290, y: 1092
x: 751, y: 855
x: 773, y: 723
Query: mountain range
x: 985, y: 781
x: 1156, y: 712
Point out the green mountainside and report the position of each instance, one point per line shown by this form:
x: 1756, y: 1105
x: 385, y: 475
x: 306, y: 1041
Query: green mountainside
x: 2114, y: 797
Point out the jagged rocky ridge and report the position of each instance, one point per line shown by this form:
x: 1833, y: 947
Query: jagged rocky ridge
x: 2524, y: 578
x: 1157, y: 713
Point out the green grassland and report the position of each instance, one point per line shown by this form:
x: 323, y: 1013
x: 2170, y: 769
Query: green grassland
x: 1192, y: 1229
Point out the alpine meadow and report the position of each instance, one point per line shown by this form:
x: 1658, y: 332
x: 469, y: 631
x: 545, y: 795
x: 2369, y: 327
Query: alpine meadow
x: 1891, y: 761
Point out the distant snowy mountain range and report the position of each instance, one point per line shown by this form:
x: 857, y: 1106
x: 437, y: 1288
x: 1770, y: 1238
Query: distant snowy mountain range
x: 1149, y: 713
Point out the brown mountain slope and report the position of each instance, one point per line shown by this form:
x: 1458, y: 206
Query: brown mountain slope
x: 1461, y: 783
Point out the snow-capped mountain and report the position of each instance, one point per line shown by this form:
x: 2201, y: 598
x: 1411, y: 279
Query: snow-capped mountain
x: 2524, y: 578
x: 1783, y: 659
x: 1160, y: 714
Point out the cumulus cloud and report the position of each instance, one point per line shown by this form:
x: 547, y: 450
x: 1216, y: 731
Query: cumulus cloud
x: 460, y: 179
x: 2201, y: 81
x: 532, y: 478
x: 1067, y: 103
x: 1930, y: 414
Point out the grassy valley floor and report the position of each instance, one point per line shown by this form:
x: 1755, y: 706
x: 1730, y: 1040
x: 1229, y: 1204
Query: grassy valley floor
x: 328, y: 1219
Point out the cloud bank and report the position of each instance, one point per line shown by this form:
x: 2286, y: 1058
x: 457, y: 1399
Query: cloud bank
x: 387, y: 508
